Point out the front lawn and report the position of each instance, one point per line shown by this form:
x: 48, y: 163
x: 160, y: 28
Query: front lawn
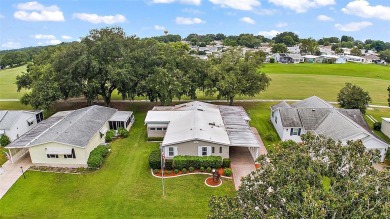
x: 122, y: 188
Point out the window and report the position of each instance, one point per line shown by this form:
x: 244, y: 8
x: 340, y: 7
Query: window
x: 295, y: 131
x: 152, y: 129
x: 276, y: 120
x: 39, y: 117
x: 212, y: 150
x: 164, y: 129
x: 159, y: 129
x: 52, y: 155
x: 220, y: 149
x: 171, y: 151
x: 204, y: 151
x: 273, y: 114
x: 72, y: 155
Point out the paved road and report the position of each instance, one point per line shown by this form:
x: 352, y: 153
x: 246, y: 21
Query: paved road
x: 12, y: 172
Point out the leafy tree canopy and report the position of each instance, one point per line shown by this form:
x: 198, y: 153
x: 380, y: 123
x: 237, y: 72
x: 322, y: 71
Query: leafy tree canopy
x: 288, y: 38
x: 353, y: 97
x: 319, y: 178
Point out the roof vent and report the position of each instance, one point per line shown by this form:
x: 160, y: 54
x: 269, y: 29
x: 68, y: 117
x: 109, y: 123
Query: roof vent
x: 200, y: 109
x: 212, y: 123
x: 313, y: 110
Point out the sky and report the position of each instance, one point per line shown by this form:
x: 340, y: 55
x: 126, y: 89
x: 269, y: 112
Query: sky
x: 43, y: 22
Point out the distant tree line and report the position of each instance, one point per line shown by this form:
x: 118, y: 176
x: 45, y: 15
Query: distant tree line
x: 107, y: 60
x: 18, y: 57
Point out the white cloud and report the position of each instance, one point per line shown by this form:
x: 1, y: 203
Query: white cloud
x: 282, y: 24
x: 247, y: 20
x: 269, y: 34
x: 97, y: 19
x: 263, y: 11
x: 44, y: 36
x: 184, y: 20
x: 189, y: 2
x: 353, y: 26
x: 11, y: 45
x: 65, y: 37
x: 324, y: 18
x: 53, y: 42
x: 363, y: 9
x: 34, y: 11
x: 192, y: 11
x: 245, y: 5
x: 301, y: 6
x: 158, y: 27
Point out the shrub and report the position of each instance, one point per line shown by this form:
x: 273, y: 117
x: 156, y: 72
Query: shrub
x: 176, y: 171
x: 377, y: 126
x: 168, y: 164
x: 169, y: 172
x: 123, y: 133
x: 101, y: 149
x: 155, y: 159
x: 201, y: 169
x: 4, y: 140
x: 272, y: 60
x: 184, y: 170
x: 110, y: 135
x: 270, y: 136
x: 191, y: 169
x: 226, y: 162
x: 196, y: 161
x: 155, y: 171
x: 95, y: 160
x: 227, y: 172
x: 209, y: 169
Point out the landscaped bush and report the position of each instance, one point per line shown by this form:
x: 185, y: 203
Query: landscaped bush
x: 155, y: 138
x: 155, y: 159
x: 110, y: 135
x: 377, y: 126
x: 169, y: 164
x: 184, y: 170
x: 96, y: 157
x: 101, y: 149
x: 270, y: 136
x: 169, y: 172
x: 4, y: 140
x: 196, y: 161
x: 272, y: 60
x: 226, y: 163
x: 123, y: 133
x: 155, y: 171
x: 176, y: 171
x: 201, y: 169
x: 209, y: 169
x: 191, y: 169
x: 227, y: 172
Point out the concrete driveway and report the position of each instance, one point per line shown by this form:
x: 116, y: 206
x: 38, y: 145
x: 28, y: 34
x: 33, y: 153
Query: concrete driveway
x: 11, y: 172
x: 242, y: 164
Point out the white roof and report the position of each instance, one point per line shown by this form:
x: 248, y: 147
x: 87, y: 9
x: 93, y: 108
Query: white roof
x: 310, y: 56
x: 386, y: 119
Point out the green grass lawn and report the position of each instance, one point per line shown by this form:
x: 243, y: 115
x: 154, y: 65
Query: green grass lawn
x: 123, y: 188
x: 8, y: 89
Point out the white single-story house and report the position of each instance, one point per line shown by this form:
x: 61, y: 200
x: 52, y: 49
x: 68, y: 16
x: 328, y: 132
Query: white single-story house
x: 318, y: 117
x: 310, y: 58
x: 290, y: 58
x: 357, y: 59
x: 66, y: 138
x: 201, y: 129
x: 333, y: 58
x: 14, y: 123
x: 385, y: 127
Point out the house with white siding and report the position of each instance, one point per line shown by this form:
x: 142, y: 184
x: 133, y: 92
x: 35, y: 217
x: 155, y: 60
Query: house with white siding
x: 14, y: 123
x: 66, y: 138
x: 318, y: 117
x: 201, y: 129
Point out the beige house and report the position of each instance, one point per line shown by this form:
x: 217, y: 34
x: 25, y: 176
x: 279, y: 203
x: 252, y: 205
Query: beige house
x: 201, y: 129
x: 66, y: 138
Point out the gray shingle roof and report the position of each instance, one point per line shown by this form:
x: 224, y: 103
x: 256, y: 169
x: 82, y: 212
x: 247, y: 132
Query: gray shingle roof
x: 9, y: 118
x: 290, y: 117
x: 311, y: 118
x: 282, y: 104
x: 312, y: 102
x: 78, y: 127
x: 356, y: 116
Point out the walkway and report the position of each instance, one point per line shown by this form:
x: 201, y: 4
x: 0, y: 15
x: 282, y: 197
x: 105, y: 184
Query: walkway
x: 242, y: 164
x: 11, y: 172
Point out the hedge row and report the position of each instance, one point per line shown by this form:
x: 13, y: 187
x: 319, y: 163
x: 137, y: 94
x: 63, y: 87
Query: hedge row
x: 180, y: 162
x: 96, y: 156
x: 155, y: 159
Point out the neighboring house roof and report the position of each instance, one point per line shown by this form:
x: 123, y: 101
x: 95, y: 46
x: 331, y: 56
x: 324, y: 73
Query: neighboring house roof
x: 290, y: 117
x: 310, y: 57
x: 196, y: 120
x: 372, y: 57
x: 356, y: 116
x: 313, y: 117
x: 312, y: 102
x: 9, y: 117
x: 75, y: 127
x: 282, y: 104
x: 121, y: 116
